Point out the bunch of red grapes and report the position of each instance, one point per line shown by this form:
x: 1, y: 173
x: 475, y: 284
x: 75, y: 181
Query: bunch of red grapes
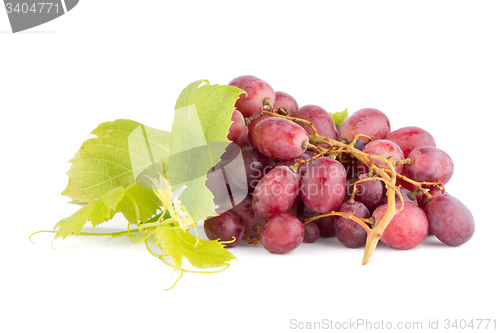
x: 291, y: 176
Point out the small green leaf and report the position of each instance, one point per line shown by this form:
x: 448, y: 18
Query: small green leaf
x: 138, y: 201
x: 339, y: 117
x: 97, y: 211
x: 178, y: 244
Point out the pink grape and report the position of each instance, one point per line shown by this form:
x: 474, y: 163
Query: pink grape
x: 286, y: 101
x: 282, y: 233
x: 276, y: 192
x: 450, y: 220
x: 409, y: 138
x: 368, y: 121
x: 311, y: 234
x: 238, y: 131
x: 369, y: 192
x: 407, y: 228
x: 323, y: 185
x: 224, y: 227
x: 258, y: 117
x: 320, y: 118
x: 256, y: 164
x: 279, y: 138
x: 256, y: 91
x: 249, y: 216
x: 430, y: 164
x: 348, y: 232
x: 382, y: 148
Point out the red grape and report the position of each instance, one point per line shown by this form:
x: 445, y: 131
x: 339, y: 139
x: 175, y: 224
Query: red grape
x: 450, y: 220
x: 238, y: 131
x: 282, y: 233
x: 276, y: 192
x: 320, y: 118
x: 323, y: 185
x: 368, y: 121
x: 279, y: 138
x: 286, y: 101
x: 223, y: 187
x: 224, y: 227
x: 249, y: 216
x: 407, y: 228
x: 369, y: 192
x: 324, y: 224
x: 430, y: 164
x: 348, y: 232
x: 409, y: 138
x: 258, y: 117
x: 256, y: 91
x: 311, y: 234
x: 256, y: 166
x: 382, y: 148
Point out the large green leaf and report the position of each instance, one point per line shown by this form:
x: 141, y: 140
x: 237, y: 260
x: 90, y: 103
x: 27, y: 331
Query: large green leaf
x: 119, y: 153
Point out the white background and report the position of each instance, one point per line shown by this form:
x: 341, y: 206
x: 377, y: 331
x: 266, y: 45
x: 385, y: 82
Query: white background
x: 433, y: 64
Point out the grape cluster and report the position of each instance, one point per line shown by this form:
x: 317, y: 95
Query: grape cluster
x: 301, y: 177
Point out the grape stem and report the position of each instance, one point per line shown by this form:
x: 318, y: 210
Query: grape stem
x: 358, y: 220
x: 420, y: 186
x: 387, y: 183
x: 295, y: 120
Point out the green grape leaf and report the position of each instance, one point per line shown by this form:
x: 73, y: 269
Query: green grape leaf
x: 117, y: 156
x: 97, y: 211
x: 198, y: 139
x: 178, y: 244
x: 138, y: 204
x: 339, y: 117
